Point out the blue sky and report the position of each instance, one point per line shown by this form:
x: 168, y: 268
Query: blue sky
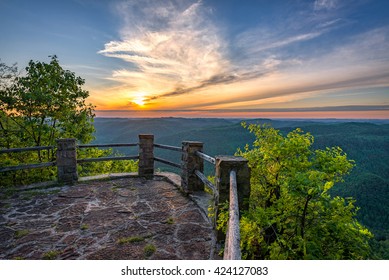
x: 319, y: 58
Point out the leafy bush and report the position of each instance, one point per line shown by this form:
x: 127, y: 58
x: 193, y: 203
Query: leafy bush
x: 291, y: 213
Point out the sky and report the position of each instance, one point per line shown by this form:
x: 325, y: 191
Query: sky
x: 212, y: 58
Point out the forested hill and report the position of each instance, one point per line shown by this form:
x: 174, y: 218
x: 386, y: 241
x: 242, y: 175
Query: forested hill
x: 365, y: 142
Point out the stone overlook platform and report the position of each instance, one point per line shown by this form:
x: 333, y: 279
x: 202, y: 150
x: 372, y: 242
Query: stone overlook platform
x: 116, y: 218
x: 146, y: 216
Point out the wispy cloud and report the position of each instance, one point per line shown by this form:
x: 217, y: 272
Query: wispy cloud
x: 360, y: 62
x: 170, y: 49
x: 325, y: 4
x: 260, y: 40
x: 174, y: 49
x: 313, y: 109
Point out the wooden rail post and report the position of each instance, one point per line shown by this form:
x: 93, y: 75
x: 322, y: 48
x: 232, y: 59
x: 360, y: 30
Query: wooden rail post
x: 67, y: 161
x: 224, y: 165
x: 190, y: 163
x: 146, y: 155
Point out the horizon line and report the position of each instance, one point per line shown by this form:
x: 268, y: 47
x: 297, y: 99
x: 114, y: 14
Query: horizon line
x: 351, y: 108
x: 372, y: 112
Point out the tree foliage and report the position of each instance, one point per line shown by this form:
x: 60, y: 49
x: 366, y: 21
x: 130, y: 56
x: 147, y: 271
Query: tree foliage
x: 45, y: 104
x: 291, y: 213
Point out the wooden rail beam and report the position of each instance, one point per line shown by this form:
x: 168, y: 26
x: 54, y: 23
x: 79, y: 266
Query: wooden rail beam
x: 27, y: 166
x: 18, y: 150
x: 167, y: 162
x: 167, y: 147
x: 107, y: 145
x: 106, y: 159
x: 205, y: 157
x: 208, y: 183
x: 232, y: 247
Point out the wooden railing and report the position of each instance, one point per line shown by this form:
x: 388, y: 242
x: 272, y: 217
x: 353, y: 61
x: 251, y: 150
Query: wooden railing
x: 26, y: 166
x: 165, y: 161
x: 232, y: 244
x: 107, y: 158
x: 205, y: 157
x: 54, y: 163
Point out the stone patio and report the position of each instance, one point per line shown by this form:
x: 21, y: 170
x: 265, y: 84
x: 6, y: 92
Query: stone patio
x: 118, y: 218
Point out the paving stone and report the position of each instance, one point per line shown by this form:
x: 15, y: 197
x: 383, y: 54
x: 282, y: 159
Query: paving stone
x: 87, y: 221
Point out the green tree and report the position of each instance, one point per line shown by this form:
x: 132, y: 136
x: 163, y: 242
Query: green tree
x: 8, y: 75
x: 291, y: 214
x: 45, y: 104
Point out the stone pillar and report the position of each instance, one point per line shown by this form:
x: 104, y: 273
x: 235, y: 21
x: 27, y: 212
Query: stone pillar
x: 146, y: 155
x: 67, y: 161
x: 189, y: 163
x: 224, y: 164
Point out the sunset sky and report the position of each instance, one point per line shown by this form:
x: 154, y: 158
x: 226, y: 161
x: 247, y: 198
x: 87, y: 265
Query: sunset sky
x: 212, y: 58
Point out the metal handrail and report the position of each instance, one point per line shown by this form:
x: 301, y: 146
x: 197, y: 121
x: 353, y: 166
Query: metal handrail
x: 232, y: 244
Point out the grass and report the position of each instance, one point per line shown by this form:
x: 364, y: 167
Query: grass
x: 116, y: 187
x: 21, y: 233
x: 8, y: 192
x: 27, y: 195
x: 149, y: 250
x: 84, y: 227
x: 4, y: 208
x: 51, y: 255
x: 130, y: 239
x: 133, y: 239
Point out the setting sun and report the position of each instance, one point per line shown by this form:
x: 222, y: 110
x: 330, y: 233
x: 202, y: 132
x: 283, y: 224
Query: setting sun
x: 139, y: 99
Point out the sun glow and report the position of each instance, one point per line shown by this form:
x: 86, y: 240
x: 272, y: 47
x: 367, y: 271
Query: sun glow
x: 139, y: 100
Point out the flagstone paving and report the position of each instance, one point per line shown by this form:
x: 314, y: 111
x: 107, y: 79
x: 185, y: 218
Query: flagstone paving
x: 122, y: 218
